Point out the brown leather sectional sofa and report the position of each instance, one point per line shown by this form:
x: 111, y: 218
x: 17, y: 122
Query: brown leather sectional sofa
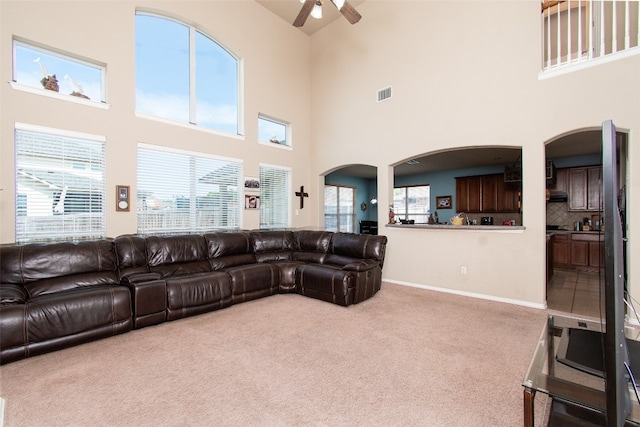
x: 62, y: 294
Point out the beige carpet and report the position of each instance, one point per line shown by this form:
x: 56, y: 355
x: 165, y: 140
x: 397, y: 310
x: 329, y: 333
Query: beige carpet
x: 405, y: 357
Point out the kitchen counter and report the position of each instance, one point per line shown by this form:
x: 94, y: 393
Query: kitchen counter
x: 494, y: 228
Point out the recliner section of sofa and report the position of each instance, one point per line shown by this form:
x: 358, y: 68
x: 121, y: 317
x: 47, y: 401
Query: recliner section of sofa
x: 57, y: 295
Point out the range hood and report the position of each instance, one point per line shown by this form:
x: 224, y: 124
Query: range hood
x: 558, y: 197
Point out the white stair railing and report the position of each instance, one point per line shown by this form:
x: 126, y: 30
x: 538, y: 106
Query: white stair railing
x: 575, y: 31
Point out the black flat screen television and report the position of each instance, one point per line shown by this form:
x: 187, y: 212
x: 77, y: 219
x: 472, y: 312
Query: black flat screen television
x: 616, y: 356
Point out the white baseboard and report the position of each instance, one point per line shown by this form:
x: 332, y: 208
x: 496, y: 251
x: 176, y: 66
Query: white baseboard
x: 468, y: 294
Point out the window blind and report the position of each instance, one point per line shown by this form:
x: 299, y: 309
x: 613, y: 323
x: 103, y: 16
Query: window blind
x: 275, y: 197
x: 60, y: 185
x: 183, y: 192
x: 339, y: 213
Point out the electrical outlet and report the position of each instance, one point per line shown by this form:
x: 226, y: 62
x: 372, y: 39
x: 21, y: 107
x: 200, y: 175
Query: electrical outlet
x: 463, y: 270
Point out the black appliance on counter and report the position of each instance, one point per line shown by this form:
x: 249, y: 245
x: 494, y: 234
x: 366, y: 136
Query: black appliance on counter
x: 486, y: 220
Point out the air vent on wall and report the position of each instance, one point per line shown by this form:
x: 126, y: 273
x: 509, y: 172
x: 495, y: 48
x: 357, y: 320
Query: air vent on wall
x: 384, y: 94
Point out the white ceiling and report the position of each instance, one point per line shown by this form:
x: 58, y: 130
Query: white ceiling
x: 289, y: 9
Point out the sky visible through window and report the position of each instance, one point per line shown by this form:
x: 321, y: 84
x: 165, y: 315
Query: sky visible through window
x: 163, y: 79
x: 31, y: 64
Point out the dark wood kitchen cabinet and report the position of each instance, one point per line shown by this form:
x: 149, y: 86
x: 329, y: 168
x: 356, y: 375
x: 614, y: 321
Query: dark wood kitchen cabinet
x: 579, y: 253
x: 561, y: 185
x: 577, y: 250
x: 584, y: 186
x: 560, y: 250
x: 468, y: 194
x: 486, y: 194
x: 489, y: 193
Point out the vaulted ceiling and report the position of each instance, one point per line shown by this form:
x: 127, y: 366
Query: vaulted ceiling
x: 289, y: 9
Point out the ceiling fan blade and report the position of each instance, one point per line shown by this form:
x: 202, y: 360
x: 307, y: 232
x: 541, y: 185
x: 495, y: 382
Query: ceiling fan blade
x: 304, y: 13
x: 350, y: 12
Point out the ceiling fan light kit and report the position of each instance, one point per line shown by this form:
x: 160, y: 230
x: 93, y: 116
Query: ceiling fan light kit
x: 316, y: 12
x: 314, y: 8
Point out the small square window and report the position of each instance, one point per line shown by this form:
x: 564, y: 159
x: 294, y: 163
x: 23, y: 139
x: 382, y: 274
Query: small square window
x: 272, y: 131
x: 44, y: 69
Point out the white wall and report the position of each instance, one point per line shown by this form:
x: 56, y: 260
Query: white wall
x: 464, y: 73
x: 276, y: 61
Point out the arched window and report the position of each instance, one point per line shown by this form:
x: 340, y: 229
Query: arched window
x: 185, y: 76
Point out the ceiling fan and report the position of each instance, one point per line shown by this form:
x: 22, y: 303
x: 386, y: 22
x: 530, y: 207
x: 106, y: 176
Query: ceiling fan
x: 314, y: 8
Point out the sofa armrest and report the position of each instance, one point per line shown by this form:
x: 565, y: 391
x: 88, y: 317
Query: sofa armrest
x: 140, y: 278
x: 13, y: 294
x: 149, y: 298
x: 361, y: 265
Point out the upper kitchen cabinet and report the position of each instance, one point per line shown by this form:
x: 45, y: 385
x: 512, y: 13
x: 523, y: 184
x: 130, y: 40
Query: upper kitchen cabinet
x: 584, y: 188
x: 486, y: 194
x: 561, y: 184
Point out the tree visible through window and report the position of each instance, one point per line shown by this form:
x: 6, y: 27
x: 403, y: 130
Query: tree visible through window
x: 185, y: 76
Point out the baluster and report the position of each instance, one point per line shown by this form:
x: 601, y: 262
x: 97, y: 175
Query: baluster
x: 627, y: 30
x: 569, y: 54
x: 579, y: 30
x: 559, y: 38
x: 614, y: 27
x: 602, y: 30
x: 549, y: 38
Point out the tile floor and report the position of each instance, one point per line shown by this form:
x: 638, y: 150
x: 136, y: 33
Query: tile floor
x: 577, y: 292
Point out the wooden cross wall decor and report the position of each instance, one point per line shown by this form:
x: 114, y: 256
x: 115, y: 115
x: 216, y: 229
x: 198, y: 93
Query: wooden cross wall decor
x: 302, y: 195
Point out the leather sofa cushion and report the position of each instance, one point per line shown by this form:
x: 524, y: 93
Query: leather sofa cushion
x: 22, y: 264
x: 177, y: 255
x: 229, y: 249
x: 67, y: 313
x: 175, y: 249
x: 312, y: 241
x: 74, y: 281
x: 253, y: 277
x: 272, y: 241
x: 131, y: 252
x: 326, y: 282
x: 55, y: 267
x: 351, y: 247
x: 198, y: 289
x: 13, y: 294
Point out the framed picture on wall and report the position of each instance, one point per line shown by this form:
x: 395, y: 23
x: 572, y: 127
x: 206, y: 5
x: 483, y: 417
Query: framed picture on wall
x: 251, y: 201
x: 443, y: 202
x: 251, y: 183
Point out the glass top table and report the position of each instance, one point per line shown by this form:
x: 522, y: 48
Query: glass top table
x: 571, y: 373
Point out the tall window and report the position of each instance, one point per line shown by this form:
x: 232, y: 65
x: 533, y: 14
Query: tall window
x: 183, y: 192
x: 275, y: 197
x: 339, y: 212
x: 412, y: 203
x: 185, y: 76
x: 60, y: 185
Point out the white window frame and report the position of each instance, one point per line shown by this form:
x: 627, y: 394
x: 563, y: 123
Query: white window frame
x: 193, y: 101
x: 187, y: 215
x: 403, y: 212
x: 270, y: 142
x: 338, y: 214
x: 65, y: 81
x: 50, y: 180
x: 275, y: 213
